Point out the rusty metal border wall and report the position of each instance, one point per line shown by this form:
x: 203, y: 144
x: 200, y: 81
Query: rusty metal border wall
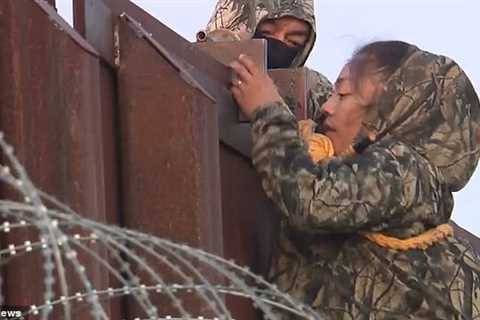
x: 56, y: 116
x: 128, y: 141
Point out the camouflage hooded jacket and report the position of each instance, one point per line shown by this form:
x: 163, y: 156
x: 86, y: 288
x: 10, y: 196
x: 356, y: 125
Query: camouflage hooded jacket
x: 427, y: 124
x: 243, y: 16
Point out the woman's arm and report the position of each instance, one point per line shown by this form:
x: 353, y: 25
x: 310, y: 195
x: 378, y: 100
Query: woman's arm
x: 387, y: 186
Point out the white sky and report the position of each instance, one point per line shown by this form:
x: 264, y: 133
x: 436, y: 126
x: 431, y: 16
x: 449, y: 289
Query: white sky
x: 448, y: 27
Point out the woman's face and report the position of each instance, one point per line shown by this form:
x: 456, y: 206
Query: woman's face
x: 347, y: 108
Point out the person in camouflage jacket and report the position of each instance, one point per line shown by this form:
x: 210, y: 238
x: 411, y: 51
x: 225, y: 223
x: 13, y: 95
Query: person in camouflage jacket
x: 417, y: 143
x: 246, y: 18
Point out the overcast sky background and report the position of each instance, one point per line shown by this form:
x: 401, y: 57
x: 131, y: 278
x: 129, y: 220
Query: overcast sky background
x: 449, y: 27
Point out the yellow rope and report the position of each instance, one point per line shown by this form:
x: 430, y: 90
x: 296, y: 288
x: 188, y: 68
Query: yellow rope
x: 320, y: 147
x: 422, y: 241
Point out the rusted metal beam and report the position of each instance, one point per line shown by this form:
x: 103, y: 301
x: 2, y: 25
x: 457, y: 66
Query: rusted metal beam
x: 250, y: 221
x: 68, y: 31
x: 250, y: 218
x: 96, y: 21
x: 100, y: 16
x: 293, y: 85
x: 169, y: 152
x: 52, y: 3
x: 52, y: 114
x: 79, y: 16
x: 151, y: 93
x: 227, y: 51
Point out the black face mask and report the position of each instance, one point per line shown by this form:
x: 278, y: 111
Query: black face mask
x: 279, y: 54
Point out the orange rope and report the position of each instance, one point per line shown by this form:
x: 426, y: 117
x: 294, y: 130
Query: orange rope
x: 319, y: 146
x: 422, y: 241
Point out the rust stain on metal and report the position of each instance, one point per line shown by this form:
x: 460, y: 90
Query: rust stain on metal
x: 78, y: 16
x: 99, y: 22
x: 165, y: 125
x: 293, y: 87
x: 51, y: 114
x: 116, y: 46
x: 169, y: 151
x: 60, y: 24
x: 52, y: 3
x: 228, y: 51
x: 180, y: 66
x: 101, y: 15
x: 250, y: 222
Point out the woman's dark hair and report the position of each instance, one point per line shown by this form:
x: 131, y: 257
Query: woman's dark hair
x: 381, y: 58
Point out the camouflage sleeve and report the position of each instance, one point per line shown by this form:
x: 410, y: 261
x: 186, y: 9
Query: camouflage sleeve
x: 388, y: 186
x: 318, y: 93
